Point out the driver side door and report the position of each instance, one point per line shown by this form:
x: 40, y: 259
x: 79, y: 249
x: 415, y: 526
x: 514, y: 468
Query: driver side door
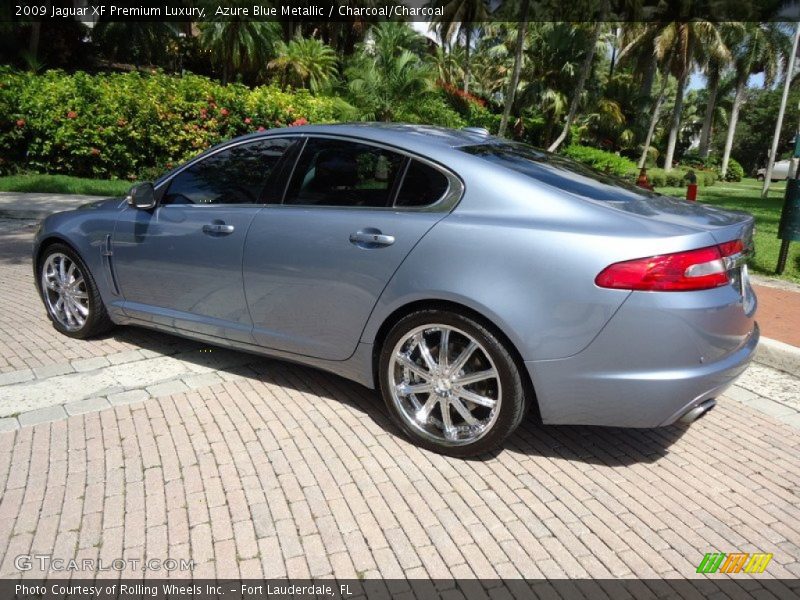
x: 180, y: 264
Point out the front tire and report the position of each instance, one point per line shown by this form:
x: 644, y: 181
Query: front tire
x: 450, y: 384
x: 70, y: 294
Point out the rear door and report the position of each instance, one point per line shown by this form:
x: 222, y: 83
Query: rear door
x: 180, y: 265
x: 315, y: 265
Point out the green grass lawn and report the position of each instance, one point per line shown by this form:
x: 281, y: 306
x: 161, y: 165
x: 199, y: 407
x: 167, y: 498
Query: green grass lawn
x: 63, y: 184
x: 746, y: 195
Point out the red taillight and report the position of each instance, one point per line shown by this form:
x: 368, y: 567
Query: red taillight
x: 700, y: 269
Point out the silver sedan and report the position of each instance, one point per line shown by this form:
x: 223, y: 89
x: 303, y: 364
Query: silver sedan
x: 469, y: 278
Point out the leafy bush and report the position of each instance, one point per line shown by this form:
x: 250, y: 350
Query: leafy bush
x: 735, y: 170
x: 129, y: 125
x: 431, y: 109
x: 119, y: 125
x: 678, y: 177
x: 602, y: 161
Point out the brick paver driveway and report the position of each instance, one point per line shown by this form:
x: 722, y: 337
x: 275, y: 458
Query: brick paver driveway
x: 252, y: 468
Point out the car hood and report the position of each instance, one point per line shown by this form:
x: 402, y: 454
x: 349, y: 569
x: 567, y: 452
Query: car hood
x: 102, y: 203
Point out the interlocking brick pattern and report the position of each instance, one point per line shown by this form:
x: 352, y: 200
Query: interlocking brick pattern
x: 296, y: 473
x: 287, y: 471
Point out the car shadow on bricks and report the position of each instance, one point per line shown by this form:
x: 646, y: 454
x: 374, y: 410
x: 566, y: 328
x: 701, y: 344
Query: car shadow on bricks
x: 610, y: 446
x: 594, y: 445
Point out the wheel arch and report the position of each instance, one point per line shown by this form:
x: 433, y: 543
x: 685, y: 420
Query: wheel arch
x: 39, y: 252
x: 456, y: 307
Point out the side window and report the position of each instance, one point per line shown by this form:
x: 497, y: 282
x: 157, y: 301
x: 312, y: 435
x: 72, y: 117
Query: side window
x: 422, y: 185
x: 233, y: 176
x: 342, y: 173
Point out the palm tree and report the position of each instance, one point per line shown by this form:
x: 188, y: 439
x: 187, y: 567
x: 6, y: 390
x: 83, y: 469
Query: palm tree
x: 448, y: 64
x: 552, y: 57
x: 715, y: 65
x: 514, y: 83
x: 577, y: 91
x: 684, y: 39
x: 459, y: 17
x: 637, y: 50
x: 140, y: 43
x: 239, y: 45
x: 656, y: 109
x: 492, y: 60
x: 761, y: 48
x: 385, y: 73
x: 305, y: 62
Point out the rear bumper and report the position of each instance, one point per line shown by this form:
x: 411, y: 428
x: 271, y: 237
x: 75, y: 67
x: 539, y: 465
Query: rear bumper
x: 635, y: 377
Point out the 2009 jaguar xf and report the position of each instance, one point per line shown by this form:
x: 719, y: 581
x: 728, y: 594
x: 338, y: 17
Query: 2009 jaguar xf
x: 468, y: 277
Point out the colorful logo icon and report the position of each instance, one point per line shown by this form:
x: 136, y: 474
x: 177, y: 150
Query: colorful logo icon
x: 736, y: 562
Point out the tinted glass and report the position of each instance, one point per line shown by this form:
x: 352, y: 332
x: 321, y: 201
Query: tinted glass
x: 233, y: 176
x: 422, y: 185
x: 341, y: 173
x: 559, y: 172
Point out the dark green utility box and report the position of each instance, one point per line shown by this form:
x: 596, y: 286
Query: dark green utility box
x: 789, y: 226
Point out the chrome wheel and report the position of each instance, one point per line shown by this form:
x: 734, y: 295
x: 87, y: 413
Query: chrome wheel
x: 444, y: 384
x: 65, y: 292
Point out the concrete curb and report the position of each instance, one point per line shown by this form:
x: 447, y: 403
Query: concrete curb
x: 25, y: 214
x: 778, y: 355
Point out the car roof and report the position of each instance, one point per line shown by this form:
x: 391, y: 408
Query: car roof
x: 418, y: 138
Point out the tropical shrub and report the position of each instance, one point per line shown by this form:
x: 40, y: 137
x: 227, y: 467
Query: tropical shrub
x: 677, y: 177
x: 126, y: 125
x: 735, y: 170
x: 119, y: 125
x: 601, y: 160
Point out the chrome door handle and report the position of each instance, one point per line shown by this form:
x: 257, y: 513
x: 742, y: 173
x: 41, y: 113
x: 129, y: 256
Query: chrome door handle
x: 218, y: 229
x: 369, y: 238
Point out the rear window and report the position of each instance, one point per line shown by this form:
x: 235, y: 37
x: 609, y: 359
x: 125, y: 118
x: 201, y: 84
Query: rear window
x: 559, y: 172
x: 422, y: 185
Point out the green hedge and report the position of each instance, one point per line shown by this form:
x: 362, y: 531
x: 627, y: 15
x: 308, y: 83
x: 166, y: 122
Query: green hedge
x: 677, y: 177
x: 623, y: 167
x: 123, y: 124
x: 601, y: 160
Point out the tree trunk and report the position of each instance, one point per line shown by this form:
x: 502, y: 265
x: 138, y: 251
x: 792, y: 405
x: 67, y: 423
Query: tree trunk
x: 645, y: 102
x: 676, y: 111
x: 512, y: 86
x: 576, y: 98
x: 708, y: 120
x: 676, y: 122
x: 787, y: 82
x: 656, y: 112
x: 737, y: 103
x: 33, y: 45
x: 649, y: 77
x: 466, y: 58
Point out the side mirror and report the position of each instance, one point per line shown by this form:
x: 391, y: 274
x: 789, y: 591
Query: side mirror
x: 142, y: 196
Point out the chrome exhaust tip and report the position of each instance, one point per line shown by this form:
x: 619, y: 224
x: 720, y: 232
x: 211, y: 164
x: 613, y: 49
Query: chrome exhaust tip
x: 698, y: 411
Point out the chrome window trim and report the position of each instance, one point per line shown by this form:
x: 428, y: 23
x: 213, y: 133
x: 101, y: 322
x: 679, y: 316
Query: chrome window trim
x: 448, y: 201
x: 160, y: 189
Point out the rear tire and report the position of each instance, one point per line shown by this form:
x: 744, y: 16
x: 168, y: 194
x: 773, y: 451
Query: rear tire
x: 70, y: 294
x: 462, y: 402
